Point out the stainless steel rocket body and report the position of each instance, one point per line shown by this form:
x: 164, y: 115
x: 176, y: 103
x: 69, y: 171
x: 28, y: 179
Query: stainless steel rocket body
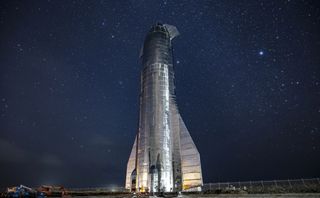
x: 154, y: 128
x: 155, y: 160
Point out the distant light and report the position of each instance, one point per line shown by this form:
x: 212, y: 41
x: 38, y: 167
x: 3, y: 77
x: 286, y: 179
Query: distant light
x: 113, y: 187
x: 261, y: 52
x: 177, y: 61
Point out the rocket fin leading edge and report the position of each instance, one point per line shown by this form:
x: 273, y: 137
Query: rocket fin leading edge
x: 131, y: 165
x: 190, y: 160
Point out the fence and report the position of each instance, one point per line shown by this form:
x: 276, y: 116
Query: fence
x: 101, y: 189
x: 271, y: 186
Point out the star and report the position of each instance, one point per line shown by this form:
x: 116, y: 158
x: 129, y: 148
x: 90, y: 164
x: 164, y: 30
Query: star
x: 261, y: 53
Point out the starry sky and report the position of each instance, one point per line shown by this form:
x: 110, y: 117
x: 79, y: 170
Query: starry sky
x: 247, y: 84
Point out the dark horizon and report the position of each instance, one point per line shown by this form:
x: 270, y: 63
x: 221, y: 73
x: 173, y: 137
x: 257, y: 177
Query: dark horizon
x: 247, y: 83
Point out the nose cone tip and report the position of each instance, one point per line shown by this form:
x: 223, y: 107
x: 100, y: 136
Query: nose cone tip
x: 159, y: 23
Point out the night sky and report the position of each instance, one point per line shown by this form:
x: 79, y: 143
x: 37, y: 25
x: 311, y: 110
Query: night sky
x: 247, y: 84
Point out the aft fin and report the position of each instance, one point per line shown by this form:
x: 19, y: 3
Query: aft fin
x: 131, y: 165
x: 190, y: 160
x: 173, y: 31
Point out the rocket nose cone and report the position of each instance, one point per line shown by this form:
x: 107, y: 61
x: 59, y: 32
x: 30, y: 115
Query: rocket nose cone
x: 157, y: 47
x: 158, y: 27
x: 170, y: 29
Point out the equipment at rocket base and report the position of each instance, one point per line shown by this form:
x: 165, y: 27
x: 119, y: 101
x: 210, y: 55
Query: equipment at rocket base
x: 163, y: 157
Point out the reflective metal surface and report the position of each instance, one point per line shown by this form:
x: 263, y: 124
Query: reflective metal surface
x: 164, y: 157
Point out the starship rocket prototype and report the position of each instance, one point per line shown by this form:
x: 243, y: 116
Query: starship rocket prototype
x: 164, y: 157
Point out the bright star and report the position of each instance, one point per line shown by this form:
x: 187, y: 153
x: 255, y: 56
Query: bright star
x: 261, y: 52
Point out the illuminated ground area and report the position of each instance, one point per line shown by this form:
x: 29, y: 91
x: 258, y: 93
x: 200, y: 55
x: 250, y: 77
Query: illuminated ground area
x: 289, y: 195
x: 258, y: 195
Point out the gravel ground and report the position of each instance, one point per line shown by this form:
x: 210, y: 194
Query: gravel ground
x: 289, y: 195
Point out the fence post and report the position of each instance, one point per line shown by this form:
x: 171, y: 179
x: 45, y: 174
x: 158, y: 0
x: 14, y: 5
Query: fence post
x: 303, y: 183
x: 289, y: 183
x: 275, y: 182
x: 219, y: 185
x: 318, y: 180
x: 262, y: 184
